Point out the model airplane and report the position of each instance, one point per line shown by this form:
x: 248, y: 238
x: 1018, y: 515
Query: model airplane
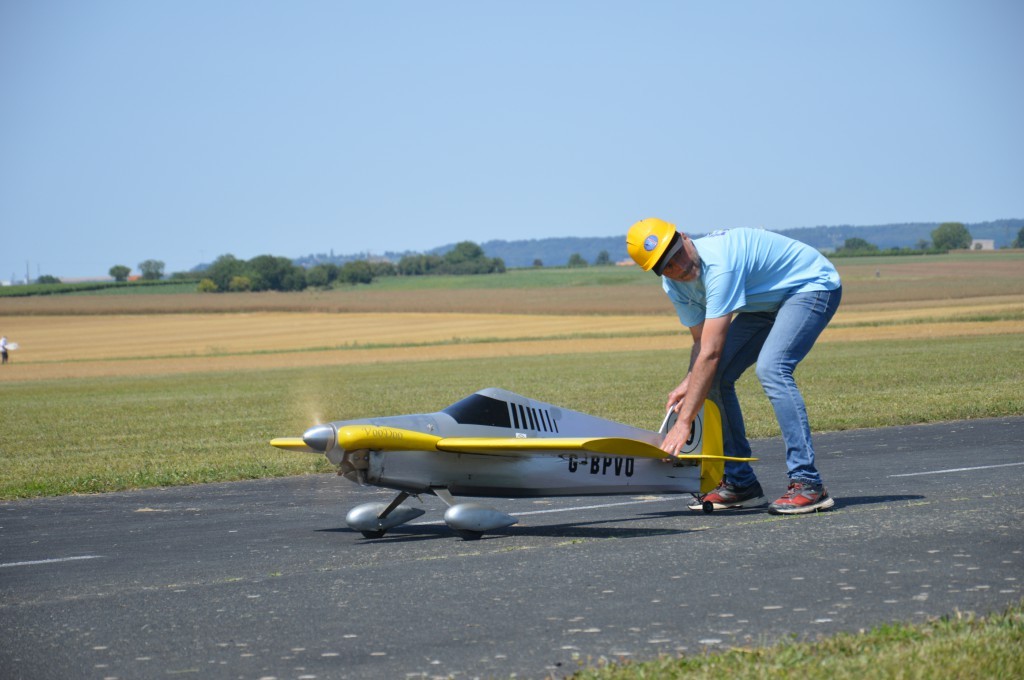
x: 495, y: 443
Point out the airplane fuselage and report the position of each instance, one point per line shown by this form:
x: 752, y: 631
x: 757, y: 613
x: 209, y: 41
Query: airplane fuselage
x: 497, y: 413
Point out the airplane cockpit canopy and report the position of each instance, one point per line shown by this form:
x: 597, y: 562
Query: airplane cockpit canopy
x: 478, y: 409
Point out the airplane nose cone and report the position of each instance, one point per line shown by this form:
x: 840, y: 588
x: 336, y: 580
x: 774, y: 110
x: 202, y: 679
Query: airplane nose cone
x: 320, y: 438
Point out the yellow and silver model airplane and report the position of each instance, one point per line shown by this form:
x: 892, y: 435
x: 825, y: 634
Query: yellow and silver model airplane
x: 498, y: 444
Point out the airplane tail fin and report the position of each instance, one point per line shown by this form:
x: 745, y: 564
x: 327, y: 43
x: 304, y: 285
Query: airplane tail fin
x: 711, y: 470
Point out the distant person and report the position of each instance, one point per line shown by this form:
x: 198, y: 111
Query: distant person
x: 747, y: 295
x: 3, y: 349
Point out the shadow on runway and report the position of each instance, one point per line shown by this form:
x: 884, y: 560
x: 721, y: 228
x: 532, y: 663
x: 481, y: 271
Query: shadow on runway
x: 738, y: 512
x: 843, y: 502
x: 853, y: 501
x: 568, y: 530
x: 590, y: 530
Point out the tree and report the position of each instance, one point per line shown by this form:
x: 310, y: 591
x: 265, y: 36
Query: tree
x: 120, y: 272
x: 357, y: 271
x: 383, y: 268
x: 46, y: 278
x: 1019, y: 241
x: 418, y: 265
x: 152, y: 270
x: 603, y: 259
x: 223, y: 269
x: 275, y: 273
x: 240, y: 284
x: 464, y: 251
x: 322, y: 275
x: 538, y: 263
x: 207, y: 286
x: 951, y: 236
x: 469, y: 258
x: 858, y: 245
x: 576, y: 260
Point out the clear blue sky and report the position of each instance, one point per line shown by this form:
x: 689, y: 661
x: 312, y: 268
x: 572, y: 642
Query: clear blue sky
x: 180, y: 130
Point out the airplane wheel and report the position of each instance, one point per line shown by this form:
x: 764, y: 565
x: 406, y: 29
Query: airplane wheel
x: 469, y: 535
x: 708, y: 507
x: 373, y: 534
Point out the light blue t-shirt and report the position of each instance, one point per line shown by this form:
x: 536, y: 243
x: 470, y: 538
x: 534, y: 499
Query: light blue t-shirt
x: 748, y: 270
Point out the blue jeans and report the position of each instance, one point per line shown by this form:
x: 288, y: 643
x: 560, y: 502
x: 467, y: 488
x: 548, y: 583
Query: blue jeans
x: 777, y: 341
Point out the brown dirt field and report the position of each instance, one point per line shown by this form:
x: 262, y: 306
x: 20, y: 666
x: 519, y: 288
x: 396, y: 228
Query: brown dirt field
x: 931, y: 279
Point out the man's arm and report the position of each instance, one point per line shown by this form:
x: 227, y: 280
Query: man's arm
x: 676, y: 396
x: 708, y: 343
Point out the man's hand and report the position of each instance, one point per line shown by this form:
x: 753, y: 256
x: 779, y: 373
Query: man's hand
x: 676, y: 396
x: 676, y: 438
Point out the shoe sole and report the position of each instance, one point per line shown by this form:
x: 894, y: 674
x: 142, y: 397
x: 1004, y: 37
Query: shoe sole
x: 823, y: 504
x: 749, y: 503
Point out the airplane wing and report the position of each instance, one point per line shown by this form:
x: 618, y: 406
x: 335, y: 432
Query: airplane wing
x: 608, y: 446
x: 396, y: 439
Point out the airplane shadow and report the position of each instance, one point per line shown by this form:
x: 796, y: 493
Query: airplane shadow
x: 569, y: 530
x: 592, y: 530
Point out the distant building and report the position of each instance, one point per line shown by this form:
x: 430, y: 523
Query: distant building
x: 983, y: 244
x: 626, y: 263
x: 85, y: 279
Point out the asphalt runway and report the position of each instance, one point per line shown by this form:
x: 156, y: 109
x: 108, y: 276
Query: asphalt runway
x: 263, y: 580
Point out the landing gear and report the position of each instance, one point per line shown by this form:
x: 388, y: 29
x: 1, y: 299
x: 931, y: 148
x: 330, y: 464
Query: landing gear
x: 468, y: 520
x: 471, y: 520
x: 373, y: 519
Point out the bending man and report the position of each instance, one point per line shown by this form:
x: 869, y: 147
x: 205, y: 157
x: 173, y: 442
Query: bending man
x: 747, y: 295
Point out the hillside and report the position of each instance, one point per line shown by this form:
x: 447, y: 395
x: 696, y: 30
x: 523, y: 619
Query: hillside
x: 555, y: 252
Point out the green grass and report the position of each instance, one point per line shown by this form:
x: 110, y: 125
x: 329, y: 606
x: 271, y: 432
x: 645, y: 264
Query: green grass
x: 950, y: 647
x: 543, y: 277
x: 92, y: 435
x: 98, y: 288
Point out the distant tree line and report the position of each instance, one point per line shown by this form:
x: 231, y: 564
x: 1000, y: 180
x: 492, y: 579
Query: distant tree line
x: 465, y: 258
x: 267, y: 272
x: 947, y: 236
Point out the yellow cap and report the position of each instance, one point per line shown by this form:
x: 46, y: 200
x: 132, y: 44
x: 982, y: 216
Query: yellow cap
x: 647, y: 240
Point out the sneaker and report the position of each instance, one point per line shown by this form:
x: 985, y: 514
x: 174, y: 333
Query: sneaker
x: 802, y: 497
x: 728, y: 495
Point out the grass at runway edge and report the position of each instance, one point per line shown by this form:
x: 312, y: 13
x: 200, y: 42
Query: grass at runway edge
x: 957, y: 646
